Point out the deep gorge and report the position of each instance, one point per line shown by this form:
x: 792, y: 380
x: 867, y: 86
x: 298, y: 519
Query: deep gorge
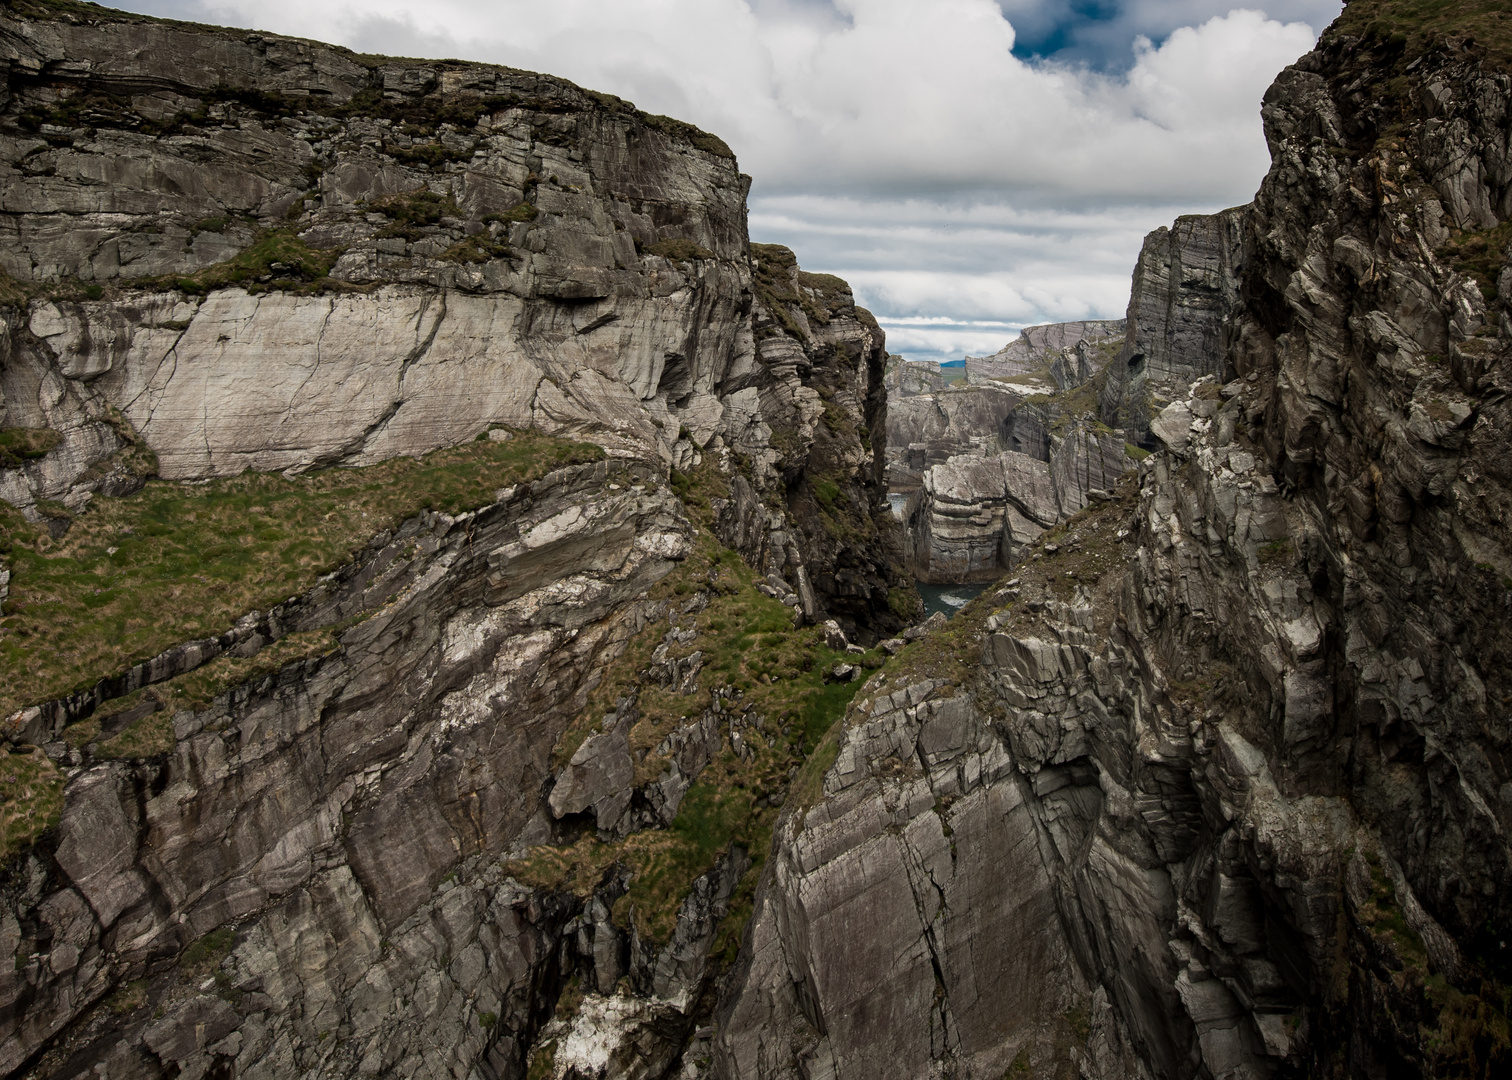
x: 454, y: 623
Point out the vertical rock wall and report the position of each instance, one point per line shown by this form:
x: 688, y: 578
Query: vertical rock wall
x: 1254, y: 706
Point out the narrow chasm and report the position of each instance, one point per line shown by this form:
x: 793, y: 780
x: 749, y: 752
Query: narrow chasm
x: 468, y: 611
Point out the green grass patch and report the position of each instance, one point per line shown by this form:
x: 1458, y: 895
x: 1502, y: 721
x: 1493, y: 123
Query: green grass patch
x: 523, y: 211
x: 1274, y: 552
x: 431, y: 154
x: 279, y: 255
x: 476, y: 249
x: 678, y: 250
x: 19, y: 445
x: 1401, y: 29
x: 205, y: 954
x: 146, y: 737
x: 31, y: 797
x: 176, y: 562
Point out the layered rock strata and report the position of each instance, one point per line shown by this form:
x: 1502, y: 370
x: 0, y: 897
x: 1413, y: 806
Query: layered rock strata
x: 1185, y: 283
x: 973, y: 516
x: 1038, y: 346
x: 236, y: 251
x: 907, y: 378
x: 297, y: 258
x: 1244, y: 729
x: 926, y: 430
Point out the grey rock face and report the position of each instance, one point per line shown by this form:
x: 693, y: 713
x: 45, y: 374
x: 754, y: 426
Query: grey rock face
x: 490, y: 247
x: 974, y: 516
x: 907, y: 378
x: 1185, y: 283
x: 323, y: 808
x: 929, y: 429
x: 1261, y: 746
x: 1039, y: 346
x: 330, y: 835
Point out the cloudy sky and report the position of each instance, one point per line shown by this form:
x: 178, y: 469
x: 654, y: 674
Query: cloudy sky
x: 970, y: 166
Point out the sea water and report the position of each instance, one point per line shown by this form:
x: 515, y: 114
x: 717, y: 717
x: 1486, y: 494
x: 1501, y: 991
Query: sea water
x: 947, y: 598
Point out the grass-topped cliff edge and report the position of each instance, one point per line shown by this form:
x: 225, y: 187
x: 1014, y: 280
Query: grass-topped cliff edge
x: 179, y: 561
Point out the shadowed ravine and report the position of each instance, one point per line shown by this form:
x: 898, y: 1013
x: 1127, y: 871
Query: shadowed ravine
x: 455, y: 624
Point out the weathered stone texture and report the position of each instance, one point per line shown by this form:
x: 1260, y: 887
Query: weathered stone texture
x: 1039, y: 346
x: 1265, y: 751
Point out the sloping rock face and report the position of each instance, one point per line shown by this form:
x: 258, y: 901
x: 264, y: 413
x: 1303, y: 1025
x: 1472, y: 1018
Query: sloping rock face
x: 234, y: 251
x: 347, y: 814
x: 1245, y: 729
x: 244, y: 251
x: 1038, y: 346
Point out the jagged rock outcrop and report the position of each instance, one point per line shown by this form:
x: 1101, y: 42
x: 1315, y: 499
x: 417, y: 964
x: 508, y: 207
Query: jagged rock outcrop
x: 233, y: 251
x: 1244, y: 729
x: 304, y: 258
x: 973, y: 516
x: 907, y: 378
x: 1037, y: 347
x: 929, y: 429
x: 1185, y: 284
x: 989, y: 467
x: 813, y: 511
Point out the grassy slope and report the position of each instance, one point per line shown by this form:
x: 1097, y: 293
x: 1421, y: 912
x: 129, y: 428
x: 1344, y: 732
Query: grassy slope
x: 175, y: 562
x: 750, y: 646
x: 1413, y: 27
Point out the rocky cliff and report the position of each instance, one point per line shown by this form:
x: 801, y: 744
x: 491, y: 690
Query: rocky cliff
x: 906, y: 378
x: 1217, y: 785
x: 991, y: 465
x: 1185, y: 284
x: 557, y: 777
x: 324, y: 625
x: 1084, y: 390
x: 1039, y: 346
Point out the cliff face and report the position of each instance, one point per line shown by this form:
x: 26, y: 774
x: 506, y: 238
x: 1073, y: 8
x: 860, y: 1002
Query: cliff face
x: 1039, y: 346
x: 990, y: 466
x: 1221, y: 776
x: 1185, y: 283
x: 245, y: 251
x: 1215, y: 786
x: 231, y: 253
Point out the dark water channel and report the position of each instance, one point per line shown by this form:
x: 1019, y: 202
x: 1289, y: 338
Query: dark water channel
x: 947, y: 598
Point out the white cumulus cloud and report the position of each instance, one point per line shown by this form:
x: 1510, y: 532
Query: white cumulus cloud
x: 898, y: 143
